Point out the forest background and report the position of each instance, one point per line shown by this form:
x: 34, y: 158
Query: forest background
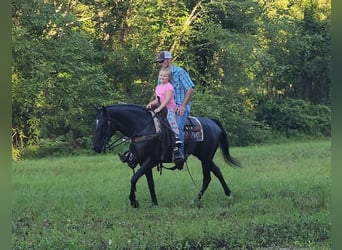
x: 261, y: 67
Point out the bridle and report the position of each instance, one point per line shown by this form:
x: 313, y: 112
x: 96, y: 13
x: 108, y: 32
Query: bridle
x: 117, y: 142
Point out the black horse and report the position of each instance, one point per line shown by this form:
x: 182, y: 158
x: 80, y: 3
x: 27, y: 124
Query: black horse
x: 135, y: 121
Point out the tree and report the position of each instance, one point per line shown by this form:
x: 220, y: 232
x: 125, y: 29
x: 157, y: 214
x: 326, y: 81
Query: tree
x: 55, y: 83
x: 69, y: 56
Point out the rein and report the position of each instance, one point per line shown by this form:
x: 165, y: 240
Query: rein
x: 134, y: 139
x: 116, y: 143
x: 160, y: 167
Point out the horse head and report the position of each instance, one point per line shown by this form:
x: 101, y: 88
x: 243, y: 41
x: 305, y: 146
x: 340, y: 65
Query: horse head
x: 104, y: 130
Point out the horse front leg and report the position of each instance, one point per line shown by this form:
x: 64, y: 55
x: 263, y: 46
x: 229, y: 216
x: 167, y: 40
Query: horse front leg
x: 132, y: 198
x: 150, y: 182
x: 141, y: 171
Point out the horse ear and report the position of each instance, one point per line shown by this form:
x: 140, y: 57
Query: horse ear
x: 104, y: 110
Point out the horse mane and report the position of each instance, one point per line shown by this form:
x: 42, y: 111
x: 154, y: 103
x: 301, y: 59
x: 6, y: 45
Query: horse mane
x: 127, y: 105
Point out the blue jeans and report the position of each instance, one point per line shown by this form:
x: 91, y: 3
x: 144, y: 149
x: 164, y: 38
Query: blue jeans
x: 181, y: 120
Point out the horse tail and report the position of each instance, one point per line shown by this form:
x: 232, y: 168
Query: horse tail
x: 224, y: 144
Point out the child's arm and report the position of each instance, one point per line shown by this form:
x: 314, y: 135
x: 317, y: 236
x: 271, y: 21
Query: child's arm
x: 169, y: 95
x: 152, y: 103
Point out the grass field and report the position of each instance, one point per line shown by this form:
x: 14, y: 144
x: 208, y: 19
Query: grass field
x: 280, y: 199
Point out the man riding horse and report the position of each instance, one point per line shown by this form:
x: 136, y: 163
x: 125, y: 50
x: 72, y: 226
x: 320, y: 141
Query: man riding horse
x: 183, y: 91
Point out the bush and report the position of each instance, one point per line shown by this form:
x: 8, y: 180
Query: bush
x: 59, y: 146
x: 16, y: 154
x: 295, y: 116
x: 240, y: 123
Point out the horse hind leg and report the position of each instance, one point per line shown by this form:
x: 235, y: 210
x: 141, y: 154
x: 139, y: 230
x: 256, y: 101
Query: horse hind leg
x: 217, y: 172
x: 206, y: 180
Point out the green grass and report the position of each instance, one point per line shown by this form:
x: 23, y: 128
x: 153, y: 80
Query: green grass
x: 280, y: 198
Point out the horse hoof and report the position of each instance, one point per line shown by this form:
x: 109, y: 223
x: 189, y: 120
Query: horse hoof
x: 197, y: 203
x: 135, y: 204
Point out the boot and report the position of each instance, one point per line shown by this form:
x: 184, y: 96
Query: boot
x: 129, y: 158
x: 124, y: 156
x: 177, y: 153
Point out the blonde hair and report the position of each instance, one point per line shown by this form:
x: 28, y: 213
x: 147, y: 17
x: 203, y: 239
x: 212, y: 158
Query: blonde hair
x: 167, y: 71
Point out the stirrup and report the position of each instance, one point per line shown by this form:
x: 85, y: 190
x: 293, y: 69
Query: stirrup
x: 178, y: 142
x: 177, y: 155
x: 179, y: 165
x: 124, y: 156
x: 129, y: 158
x: 132, y: 164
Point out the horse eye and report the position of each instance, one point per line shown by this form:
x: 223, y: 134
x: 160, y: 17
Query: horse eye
x: 97, y: 122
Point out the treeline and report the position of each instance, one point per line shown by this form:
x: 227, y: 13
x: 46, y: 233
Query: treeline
x: 261, y: 67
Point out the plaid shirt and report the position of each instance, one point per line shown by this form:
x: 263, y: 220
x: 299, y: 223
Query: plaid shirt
x: 181, y: 82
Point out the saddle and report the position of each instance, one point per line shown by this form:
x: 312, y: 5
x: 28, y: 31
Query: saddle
x: 193, y: 130
x: 193, y: 133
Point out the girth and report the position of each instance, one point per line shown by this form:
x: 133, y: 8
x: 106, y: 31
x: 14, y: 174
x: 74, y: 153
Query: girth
x: 137, y: 139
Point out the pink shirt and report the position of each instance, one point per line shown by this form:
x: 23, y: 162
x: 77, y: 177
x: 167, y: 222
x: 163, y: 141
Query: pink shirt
x: 161, y: 91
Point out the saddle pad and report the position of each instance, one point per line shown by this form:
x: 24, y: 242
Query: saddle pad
x: 193, y: 130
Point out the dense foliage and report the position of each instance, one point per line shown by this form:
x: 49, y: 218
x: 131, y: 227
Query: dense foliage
x: 255, y: 64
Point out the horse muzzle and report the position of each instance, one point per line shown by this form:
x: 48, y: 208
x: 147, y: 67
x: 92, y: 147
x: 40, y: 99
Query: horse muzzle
x: 98, y: 149
x: 100, y: 146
